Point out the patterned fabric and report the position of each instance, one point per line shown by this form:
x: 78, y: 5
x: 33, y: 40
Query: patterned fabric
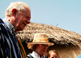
x: 9, y: 47
x: 22, y: 49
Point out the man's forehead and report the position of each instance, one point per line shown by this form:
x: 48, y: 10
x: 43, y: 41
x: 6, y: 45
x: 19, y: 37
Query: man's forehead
x: 26, y: 13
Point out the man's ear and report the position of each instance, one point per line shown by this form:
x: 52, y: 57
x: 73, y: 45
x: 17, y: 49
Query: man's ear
x: 14, y: 11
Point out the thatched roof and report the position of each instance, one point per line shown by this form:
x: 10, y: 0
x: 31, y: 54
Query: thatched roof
x: 55, y: 34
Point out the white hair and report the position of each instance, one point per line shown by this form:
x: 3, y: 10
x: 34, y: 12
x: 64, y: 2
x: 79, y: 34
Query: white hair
x: 20, y: 6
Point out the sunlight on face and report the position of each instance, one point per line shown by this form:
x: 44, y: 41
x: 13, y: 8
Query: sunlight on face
x: 22, y: 20
x: 53, y: 55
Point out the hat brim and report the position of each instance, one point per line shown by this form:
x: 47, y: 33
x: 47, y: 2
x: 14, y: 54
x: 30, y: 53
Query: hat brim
x: 48, y: 43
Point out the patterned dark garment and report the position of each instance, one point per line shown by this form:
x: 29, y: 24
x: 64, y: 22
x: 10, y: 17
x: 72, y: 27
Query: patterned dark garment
x: 9, y: 47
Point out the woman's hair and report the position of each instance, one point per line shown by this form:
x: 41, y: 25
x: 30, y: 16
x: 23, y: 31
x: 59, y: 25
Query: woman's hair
x: 34, y: 47
x: 48, y: 54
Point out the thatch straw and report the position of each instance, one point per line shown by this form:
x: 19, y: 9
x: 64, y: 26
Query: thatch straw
x: 55, y: 34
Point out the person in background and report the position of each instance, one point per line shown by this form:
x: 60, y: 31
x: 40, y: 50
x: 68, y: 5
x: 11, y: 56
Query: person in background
x: 39, y: 46
x: 52, y: 54
x: 17, y: 16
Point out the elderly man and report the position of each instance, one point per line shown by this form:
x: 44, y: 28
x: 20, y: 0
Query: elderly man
x: 17, y: 16
x: 39, y: 46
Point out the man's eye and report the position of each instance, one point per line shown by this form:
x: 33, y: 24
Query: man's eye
x: 27, y: 17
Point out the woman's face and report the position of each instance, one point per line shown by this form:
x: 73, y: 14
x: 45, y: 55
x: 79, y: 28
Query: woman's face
x: 41, y: 49
x: 53, y: 55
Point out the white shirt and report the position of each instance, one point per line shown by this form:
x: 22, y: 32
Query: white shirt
x: 35, y: 55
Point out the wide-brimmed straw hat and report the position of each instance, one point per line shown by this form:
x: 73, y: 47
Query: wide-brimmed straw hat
x: 39, y: 38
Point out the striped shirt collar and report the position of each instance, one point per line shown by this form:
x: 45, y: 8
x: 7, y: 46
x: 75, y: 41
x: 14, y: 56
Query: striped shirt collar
x: 10, y: 26
x: 35, y: 55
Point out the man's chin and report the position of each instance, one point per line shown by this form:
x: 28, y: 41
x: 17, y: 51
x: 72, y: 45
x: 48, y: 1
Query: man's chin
x: 20, y: 29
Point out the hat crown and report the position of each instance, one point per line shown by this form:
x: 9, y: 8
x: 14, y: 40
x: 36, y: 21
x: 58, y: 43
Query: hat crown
x: 40, y: 37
